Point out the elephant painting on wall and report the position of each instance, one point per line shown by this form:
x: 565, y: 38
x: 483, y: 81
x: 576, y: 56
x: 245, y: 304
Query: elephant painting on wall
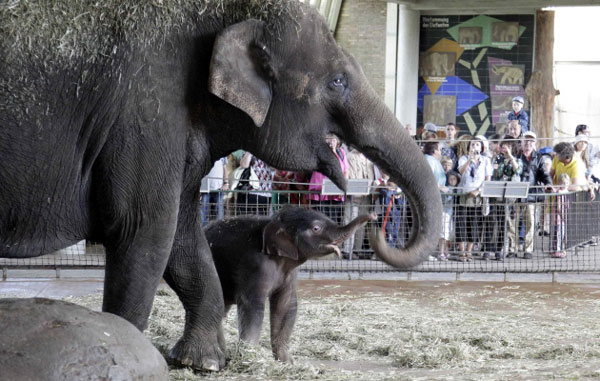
x: 439, y: 109
x: 142, y: 98
x: 469, y: 35
x: 502, y: 102
x: 436, y: 64
x: 508, y: 75
x: 505, y: 32
x: 257, y: 259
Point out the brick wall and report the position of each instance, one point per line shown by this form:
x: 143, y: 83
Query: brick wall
x: 361, y: 31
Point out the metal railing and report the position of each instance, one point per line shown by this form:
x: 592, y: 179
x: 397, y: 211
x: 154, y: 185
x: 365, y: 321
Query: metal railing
x: 566, y: 222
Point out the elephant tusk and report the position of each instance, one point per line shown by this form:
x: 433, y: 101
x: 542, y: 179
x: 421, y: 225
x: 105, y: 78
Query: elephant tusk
x: 335, y: 249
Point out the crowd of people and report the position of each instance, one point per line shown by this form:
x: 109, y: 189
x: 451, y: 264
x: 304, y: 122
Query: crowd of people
x: 491, y: 227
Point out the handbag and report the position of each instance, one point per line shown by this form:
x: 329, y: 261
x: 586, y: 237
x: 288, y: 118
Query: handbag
x: 244, y: 179
x: 470, y: 202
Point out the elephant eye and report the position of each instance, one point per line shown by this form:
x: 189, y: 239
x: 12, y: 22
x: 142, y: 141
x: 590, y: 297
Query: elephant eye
x: 317, y: 228
x: 338, y: 82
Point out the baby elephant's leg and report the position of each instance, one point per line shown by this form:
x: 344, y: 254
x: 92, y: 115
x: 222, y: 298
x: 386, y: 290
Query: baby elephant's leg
x: 220, y: 335
x: 284, y: 306
x: 251, y: 312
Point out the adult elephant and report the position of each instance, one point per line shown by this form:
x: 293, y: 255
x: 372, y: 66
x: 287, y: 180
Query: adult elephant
x: 111, y: 113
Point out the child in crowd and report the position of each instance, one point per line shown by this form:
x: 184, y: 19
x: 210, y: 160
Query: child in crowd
x: 390, y: 197
x: 447, y: 164
x: 545, y: 215
x: 448, y: 201
x: 559, y: 217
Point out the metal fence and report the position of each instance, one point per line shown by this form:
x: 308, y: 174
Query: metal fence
x: 566, y: 222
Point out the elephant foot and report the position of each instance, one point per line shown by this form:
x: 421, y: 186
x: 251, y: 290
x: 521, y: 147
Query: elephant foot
x: 198, y: 353
x: 283, y: 355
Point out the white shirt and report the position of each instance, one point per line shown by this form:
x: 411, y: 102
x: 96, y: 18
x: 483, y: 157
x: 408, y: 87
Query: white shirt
x: 481, y: 171
x: 215, y: 176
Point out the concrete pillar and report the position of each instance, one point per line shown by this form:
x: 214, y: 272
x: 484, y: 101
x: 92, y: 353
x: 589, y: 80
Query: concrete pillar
x: 407, y: 65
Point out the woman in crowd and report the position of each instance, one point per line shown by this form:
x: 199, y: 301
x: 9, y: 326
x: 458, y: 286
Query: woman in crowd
x: 474, y: 168
x: 448, y: 144
x: 593, y: 153
x: 330, y: 205
x: 257, y: 199
x: 581, y: 151
x: 461, y: 147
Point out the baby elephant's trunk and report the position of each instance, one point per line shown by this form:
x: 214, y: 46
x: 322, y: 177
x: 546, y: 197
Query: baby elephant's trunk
x: 345, y: 232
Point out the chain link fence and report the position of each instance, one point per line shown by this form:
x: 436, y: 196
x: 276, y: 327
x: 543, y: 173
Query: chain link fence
x: 492, y: 230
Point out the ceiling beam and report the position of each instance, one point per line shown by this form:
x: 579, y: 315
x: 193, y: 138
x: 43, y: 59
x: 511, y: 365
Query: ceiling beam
x: 505, y: 5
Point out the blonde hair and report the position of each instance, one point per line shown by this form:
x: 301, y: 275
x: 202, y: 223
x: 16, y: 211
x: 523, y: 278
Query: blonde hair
x: 429, y: 135
x: 462, y: 144
x: 446, y: 159
x: 564, y: 179
x: 583, y: 153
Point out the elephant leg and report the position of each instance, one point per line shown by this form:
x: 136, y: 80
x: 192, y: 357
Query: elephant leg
x: 191, y: 273
x: 134, y: 267
x: 284, y: 306
x: 251, y: 313
x: 220, y: 333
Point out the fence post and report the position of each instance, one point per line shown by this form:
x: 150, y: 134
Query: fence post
x: 4, y: 272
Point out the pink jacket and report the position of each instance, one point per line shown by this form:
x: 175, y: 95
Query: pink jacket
x: 316, y: 181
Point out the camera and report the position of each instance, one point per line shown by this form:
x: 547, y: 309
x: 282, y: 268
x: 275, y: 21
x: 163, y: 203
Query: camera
x: 476, y: 153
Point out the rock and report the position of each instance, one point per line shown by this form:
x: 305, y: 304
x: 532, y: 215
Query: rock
x: 44, y: 339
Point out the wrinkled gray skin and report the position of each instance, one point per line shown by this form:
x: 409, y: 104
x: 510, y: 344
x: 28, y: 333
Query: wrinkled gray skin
x: 111, y: 145
x: 257, y: 258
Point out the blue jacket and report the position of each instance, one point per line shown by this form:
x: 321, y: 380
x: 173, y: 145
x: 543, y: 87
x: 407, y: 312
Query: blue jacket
x: 522, y: 117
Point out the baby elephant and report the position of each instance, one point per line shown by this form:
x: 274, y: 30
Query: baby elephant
x: 256, y: 257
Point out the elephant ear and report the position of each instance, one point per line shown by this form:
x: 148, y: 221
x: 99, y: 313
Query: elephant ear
x: 277, y: 241
x: 239, y: 69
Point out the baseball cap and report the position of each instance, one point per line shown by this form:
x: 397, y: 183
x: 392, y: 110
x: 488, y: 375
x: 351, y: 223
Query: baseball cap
x: 519, y: 99
x: 581, y: 138
x: 430, y: 127
x: 530, y: 134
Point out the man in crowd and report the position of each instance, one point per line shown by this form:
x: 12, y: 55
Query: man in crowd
x: 535, y: 173
x: 359, y: 167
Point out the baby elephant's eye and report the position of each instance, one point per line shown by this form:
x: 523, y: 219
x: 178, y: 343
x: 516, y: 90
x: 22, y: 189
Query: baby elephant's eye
x: 317, y: 228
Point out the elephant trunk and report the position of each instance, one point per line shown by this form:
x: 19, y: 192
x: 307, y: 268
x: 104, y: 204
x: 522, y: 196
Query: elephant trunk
x: 385, y: 142
x: 345, y: 232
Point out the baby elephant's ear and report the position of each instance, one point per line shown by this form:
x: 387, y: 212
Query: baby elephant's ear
x: 276, y: 241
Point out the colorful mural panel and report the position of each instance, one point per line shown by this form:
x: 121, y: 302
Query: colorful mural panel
x: 475, y: 64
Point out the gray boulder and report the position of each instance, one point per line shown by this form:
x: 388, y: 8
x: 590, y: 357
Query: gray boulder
x: 44, y: 339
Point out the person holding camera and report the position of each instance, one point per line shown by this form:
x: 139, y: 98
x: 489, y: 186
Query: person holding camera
x: 475, y: 168
x: 507, y: 166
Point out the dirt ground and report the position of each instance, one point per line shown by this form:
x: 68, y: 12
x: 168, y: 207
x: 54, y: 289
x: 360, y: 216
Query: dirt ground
x: 407, y: 330
x: 402, y: 330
